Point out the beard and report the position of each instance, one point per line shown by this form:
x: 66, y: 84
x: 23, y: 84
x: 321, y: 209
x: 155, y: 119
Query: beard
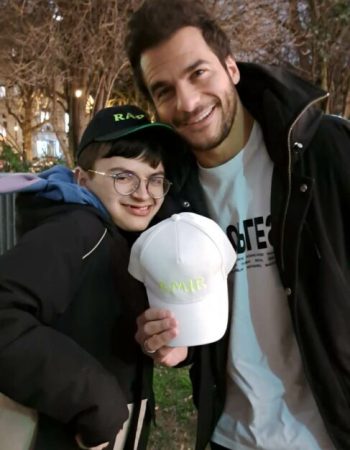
x: 228, y: 109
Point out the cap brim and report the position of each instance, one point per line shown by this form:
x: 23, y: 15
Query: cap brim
x: 165, y: 131
x: 117, y: 135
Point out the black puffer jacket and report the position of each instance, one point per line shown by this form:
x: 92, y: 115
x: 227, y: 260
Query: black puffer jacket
x: 310, y: 209
x: 67, y: 319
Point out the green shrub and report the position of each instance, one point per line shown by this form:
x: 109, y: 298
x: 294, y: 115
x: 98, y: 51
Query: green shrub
x: 11, y: 161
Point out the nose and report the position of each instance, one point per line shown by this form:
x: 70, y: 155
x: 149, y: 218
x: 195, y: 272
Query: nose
x: 187, y: 97
x: 141, y: 192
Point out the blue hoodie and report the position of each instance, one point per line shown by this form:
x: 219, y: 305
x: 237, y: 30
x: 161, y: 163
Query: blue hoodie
x: 55, y: 184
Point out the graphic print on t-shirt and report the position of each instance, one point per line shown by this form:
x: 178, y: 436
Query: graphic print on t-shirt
x: 250, y: 238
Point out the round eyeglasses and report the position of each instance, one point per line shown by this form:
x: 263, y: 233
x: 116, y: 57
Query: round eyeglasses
x: 126, y: 183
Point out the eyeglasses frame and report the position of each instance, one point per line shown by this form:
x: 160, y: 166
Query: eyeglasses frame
x: 114, y: 176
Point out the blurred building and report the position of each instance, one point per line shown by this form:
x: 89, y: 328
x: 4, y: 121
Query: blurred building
x: 44, y: 140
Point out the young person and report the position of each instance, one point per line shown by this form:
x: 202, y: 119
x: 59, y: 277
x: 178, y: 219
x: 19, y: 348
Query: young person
x: 68, y: 305
x: 273, y: 171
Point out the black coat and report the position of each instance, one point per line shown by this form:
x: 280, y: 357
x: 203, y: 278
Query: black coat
x: 67, y: 322
x: 310, y: 201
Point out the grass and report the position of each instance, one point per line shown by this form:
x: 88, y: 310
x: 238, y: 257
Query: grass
x: 175, y: 413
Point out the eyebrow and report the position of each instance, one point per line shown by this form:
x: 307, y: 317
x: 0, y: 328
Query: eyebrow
x: 159, y: 84
x: 124, y: 169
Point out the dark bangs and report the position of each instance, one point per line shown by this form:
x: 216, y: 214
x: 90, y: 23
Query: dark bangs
x: 141, y: 145
x: 145, y: 148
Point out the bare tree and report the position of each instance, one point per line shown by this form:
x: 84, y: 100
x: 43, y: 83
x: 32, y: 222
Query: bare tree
x: 70, y: 51
x: 20, y: 65
x: 25, y: 105
x: 321, y: 30
x: 310, y: 37
x: 87, y: 56
x: 67, y: 57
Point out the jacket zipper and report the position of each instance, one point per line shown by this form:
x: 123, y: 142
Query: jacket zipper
x: 318, y: 99
x: 282, y: 251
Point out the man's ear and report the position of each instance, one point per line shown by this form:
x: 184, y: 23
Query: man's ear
x: 232, y: 69
x: 80, y: 176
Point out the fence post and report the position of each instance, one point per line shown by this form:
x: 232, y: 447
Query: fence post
x: 7, y: 222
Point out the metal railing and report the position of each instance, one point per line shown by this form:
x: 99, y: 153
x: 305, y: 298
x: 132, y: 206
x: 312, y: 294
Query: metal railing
x: 7, y: 222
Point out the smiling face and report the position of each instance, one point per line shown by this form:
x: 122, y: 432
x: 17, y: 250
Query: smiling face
x: 129, y: 212
x: 191, y: 89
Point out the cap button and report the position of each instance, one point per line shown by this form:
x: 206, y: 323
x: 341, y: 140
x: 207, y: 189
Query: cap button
x: 175, y: 217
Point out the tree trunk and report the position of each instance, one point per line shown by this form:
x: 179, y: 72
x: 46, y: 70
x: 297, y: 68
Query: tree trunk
x: 27, y: 129
x: 77, y: 117
x: 346, y: 109
x: 58, y: 110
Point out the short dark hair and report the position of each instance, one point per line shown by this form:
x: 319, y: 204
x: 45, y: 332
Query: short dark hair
x: 141, y: 145
x: 157, y: 20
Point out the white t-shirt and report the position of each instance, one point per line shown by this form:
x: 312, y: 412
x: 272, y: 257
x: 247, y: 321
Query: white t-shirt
x: 269, y: 405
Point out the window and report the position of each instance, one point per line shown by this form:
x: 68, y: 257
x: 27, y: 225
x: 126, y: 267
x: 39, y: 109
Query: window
x: 44, y: 115
x: 66, y: 122
x: 47, y: 148
x: 2, y: 132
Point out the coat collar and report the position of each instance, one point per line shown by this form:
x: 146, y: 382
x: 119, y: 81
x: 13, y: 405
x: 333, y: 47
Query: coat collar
x: 283, y: 104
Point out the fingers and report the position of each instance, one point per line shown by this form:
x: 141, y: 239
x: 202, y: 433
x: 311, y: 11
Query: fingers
x: 157, y: 341
x: 146, y: 348
x: 170, y: 356
x: 155, y: 329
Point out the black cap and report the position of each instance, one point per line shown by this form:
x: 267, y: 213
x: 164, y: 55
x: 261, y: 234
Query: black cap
x: 118, y: 121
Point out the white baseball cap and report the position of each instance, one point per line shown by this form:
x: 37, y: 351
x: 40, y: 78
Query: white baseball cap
x: 184, y: 262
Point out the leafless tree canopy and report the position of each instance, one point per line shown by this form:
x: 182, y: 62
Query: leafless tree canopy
x: 56, y: 47
x: 311, y: 37
x: 49, y: 49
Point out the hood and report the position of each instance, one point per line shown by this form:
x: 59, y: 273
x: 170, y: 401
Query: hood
x: 282, y: 103
x: 56, y: 184
x: 48, y: 194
